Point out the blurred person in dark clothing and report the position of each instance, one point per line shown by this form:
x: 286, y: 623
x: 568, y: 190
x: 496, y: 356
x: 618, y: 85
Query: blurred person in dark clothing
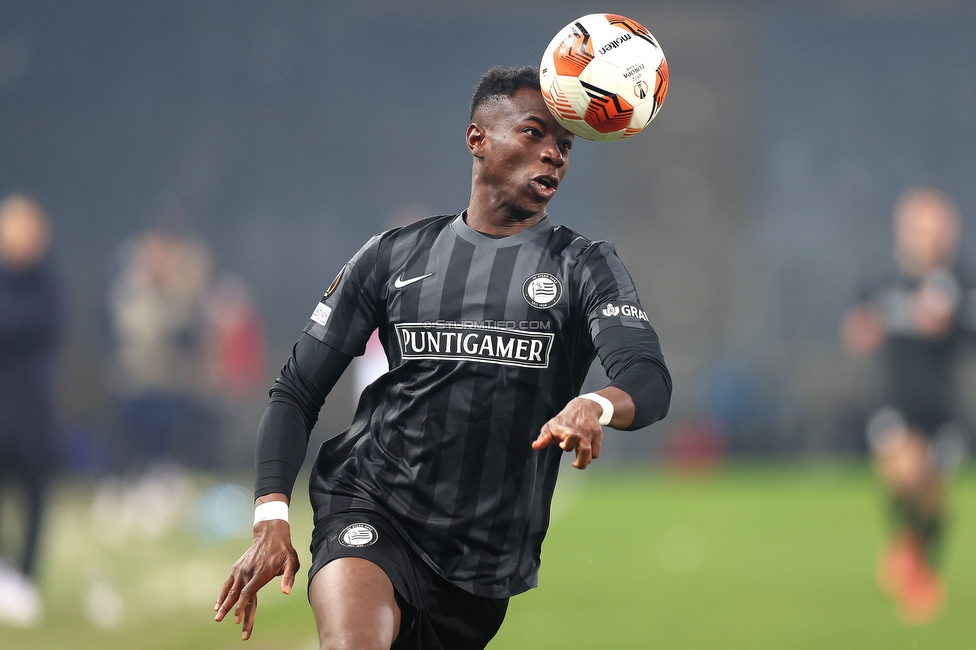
x: 914, y: 316
x: 30, y: 320
x: 236, y: 363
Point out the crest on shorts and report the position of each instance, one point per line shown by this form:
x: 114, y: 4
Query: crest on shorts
x: 358, y: 536
x: 542, y: 290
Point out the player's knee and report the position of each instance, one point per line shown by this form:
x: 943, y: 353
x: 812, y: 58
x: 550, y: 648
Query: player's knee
x: 357, y: 639
x: 908, y: 473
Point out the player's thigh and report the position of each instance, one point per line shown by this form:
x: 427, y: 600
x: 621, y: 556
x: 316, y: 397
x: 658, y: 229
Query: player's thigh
x: 354, y: 605
x: 906, y: 464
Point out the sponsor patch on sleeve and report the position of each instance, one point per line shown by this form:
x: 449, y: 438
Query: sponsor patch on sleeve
x: 622, y: 309
x: 321, y: 314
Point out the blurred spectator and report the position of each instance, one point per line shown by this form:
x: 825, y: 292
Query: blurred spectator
x: 31, y: 314
x: 696, y: 446
x: 915, y: 316
x: 236, y: 365
x: 188, y: 357
x: 237, y: 332
x: 159, y: 346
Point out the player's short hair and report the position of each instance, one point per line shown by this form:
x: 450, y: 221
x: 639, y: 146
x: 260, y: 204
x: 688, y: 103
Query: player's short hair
x: 927, y: 196
x: 503, y: 82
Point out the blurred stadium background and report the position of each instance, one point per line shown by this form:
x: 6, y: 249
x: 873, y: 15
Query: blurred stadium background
x: 288, y: 133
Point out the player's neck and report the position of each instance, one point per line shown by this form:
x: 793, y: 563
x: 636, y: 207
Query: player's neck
x: 915, y: 267
x: 499, y: 221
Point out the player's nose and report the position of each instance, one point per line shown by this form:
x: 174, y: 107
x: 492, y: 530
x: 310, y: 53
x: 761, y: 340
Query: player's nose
x: 552, y: 154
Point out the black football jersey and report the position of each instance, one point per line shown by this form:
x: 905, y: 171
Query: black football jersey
x: 487, y: 339
x: 920, y: 370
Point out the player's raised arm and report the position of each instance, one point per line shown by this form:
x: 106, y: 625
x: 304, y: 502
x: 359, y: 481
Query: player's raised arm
x: 296, y: 398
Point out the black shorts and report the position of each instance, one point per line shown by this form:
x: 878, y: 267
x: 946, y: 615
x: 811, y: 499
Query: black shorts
x: 434, y: 613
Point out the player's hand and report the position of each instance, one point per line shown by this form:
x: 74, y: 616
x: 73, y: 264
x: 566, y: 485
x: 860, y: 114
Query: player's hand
x: 932, y: 310
x: 862, y: 331
x: 575, y: 428
x: 270, y: 555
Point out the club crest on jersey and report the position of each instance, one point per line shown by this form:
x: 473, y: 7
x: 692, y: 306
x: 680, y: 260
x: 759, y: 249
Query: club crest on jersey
x: 358, y: 536
x: 542, y: 290
x: 623, y: 309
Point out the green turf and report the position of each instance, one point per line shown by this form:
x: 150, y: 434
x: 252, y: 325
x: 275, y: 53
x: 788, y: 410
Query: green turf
x: 755, y: 556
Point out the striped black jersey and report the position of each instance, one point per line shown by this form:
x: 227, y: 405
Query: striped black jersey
x: 487, y: 339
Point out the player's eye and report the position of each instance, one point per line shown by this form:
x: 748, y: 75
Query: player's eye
x: 567, y: 145
x: 534, y: 132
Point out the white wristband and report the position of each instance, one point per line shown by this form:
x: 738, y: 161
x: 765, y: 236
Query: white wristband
x: 270, y: 510
x: 605, y: 403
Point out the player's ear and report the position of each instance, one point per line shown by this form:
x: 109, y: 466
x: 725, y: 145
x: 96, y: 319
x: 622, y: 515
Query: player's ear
x: 475, y: 137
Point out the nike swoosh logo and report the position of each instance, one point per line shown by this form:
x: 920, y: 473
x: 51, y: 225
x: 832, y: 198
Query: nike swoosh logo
x: 399, y: 283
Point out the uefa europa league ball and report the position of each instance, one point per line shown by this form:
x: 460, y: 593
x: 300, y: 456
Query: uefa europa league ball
x: 604, y: 77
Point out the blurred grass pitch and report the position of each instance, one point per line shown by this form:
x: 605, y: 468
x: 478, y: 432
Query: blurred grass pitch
x: 754, y: 556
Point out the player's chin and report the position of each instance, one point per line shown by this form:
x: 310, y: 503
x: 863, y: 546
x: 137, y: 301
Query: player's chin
x: 531, y: 203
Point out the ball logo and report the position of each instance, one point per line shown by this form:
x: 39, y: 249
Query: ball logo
x: 640, y: 89
x: 615, y: 43
x: 611, y: 310
x: 542, y: 290
x: 358, y: 536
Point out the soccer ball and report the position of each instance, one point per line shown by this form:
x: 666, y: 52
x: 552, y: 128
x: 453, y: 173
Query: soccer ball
x: 604, y: 77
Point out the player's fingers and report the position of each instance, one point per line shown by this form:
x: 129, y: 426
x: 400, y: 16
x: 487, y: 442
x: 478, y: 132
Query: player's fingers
x: 231, y: 594
x: 288, y: 577
x: 595, y: 446
x: 569, y: 440
x: 223, y: 591
x: 584, y: 454
x: 249, y: 594
x: 250, y: 611
x: 545, y: 438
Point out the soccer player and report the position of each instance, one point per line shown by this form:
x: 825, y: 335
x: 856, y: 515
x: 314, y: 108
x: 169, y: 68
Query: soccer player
x: 915, y: 315
x: 430, y: 510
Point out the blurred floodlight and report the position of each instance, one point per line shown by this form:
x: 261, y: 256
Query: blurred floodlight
x: 224, y: 511
x: 104, y: 606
